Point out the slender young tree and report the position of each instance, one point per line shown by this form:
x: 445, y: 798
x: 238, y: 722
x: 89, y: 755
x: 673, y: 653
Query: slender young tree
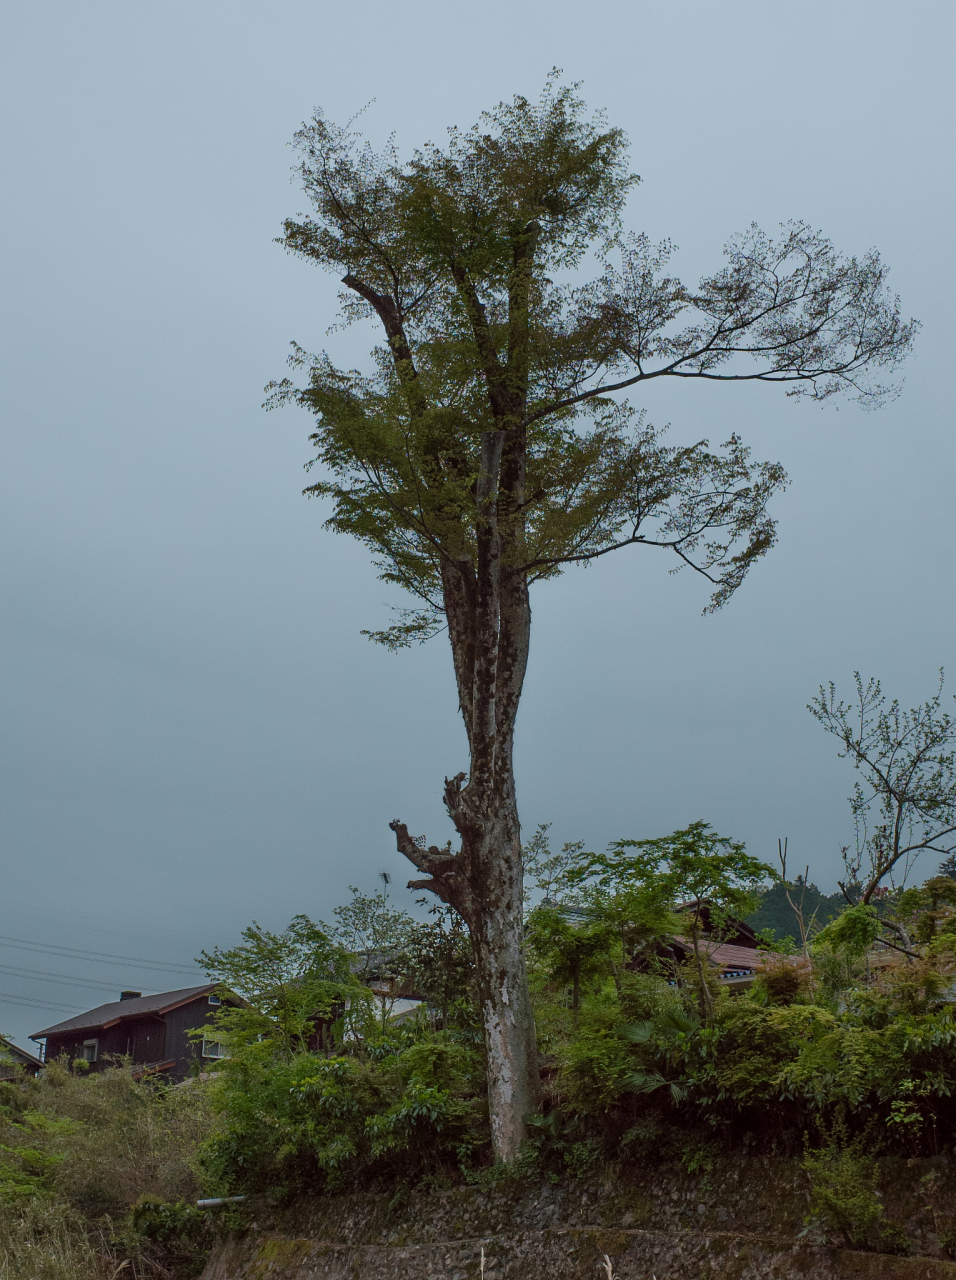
x: 906, y: 801
x: 490, y: 444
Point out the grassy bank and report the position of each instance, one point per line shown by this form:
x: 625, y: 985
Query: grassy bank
x: 83, y: 1161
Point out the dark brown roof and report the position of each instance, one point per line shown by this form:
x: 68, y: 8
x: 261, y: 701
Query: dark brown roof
x: 107, y: 1015
x: 18, y: 1054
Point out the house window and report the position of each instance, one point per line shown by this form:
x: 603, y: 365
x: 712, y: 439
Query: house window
x: 214, y: 999
x: 88, y: 1050
x: 212, y: 1049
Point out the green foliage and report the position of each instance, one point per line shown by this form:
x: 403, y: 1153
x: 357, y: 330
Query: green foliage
x: 757, y: 1055
x: 837, y: 975
x: 781, y: 983
x: 101, y: 1140
x: 378, y: 1099
x: 928, y: 913
x: 639, y: 885
x: 603, y: 911
x: 652, y: 878
x: 166, y: 1220
x: 376, y: 937
x: 29, y: 1159
x: 371, y: 931
x: 437, y: 962
x: 762, y: 1066
x: 594, y: 1069
x: 454, y: 250
x: 639, y: 1074
x: 851, y: 933
x: 99, y: 1168
x: 549, y: 870
x: 666, y: 1040
x: 571, y: 951
x: 401, y: 1104
x: 776, y: 914
x: 175, y: 1233
x: 287, y: 982
x: 639, y: 1056
x: 843, y: 1180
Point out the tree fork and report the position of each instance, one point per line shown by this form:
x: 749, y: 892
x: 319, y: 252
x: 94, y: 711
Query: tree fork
x: 483, y: 882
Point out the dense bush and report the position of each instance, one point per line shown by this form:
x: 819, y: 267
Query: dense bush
x: 640, y: 1060
x: 406, y: 1103
x: 322, y: 1089
x: 100, y: 1140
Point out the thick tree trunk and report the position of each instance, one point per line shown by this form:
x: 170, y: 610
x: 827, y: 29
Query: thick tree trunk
x: 497, y: 933
x: 484, y: 882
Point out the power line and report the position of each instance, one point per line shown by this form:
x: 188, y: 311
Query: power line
x: 41, y: 975
x: 99, y: 957
x: 37, y: 1004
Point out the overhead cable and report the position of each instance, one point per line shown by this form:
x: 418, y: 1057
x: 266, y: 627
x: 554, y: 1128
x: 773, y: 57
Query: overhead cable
x: 37, y: 1004
x: 99, y: 957
x: 40, y: 975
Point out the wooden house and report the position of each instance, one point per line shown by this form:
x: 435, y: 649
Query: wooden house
x: 729, y: 946
x: 12, y: 1058
x: 151, y: 1031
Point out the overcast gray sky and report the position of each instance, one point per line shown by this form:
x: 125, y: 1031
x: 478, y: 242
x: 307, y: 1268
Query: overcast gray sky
x: 194, y: 733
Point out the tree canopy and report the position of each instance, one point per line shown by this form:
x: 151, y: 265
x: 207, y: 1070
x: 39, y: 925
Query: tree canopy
x: 468, y: 254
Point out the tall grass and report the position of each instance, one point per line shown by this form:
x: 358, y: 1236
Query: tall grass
x: 44, y: 1239
x: 77, y: 1153
x: 104, y: 1140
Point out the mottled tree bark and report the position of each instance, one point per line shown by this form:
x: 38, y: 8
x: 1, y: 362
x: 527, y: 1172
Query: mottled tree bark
x: 483, y: 880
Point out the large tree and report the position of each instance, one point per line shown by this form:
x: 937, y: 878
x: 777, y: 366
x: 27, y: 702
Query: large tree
x: 490, y: 443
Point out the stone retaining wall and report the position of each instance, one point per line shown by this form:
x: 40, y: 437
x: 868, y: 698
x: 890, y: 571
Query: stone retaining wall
x: 741, y: 1221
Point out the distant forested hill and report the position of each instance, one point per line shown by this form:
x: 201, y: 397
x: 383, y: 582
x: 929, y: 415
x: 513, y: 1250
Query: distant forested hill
x: 774, y: 911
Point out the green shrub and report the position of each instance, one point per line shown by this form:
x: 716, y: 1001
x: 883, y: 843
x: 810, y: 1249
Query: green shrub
x: 173, y: 1236
x: 782, y: 984
x: 893, y: 1238
x: 77, y: 1152
x: 843, y: 1185
x: 406, y: 1104
x: 593, y: 1068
